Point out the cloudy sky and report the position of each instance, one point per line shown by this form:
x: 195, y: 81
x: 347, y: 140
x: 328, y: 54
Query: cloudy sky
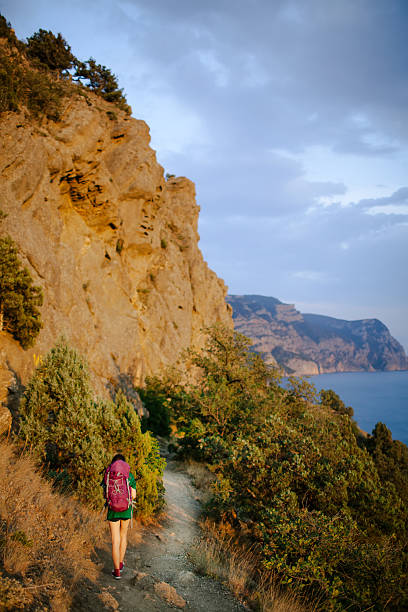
x: 291, y: 118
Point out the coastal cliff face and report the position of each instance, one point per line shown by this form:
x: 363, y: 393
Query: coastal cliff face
x: 113, y: 244
x: 314, y: 344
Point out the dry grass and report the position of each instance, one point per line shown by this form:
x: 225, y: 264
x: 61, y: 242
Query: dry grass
x: 201, y: 477
x: 46, y: 539
x: 218, y: 554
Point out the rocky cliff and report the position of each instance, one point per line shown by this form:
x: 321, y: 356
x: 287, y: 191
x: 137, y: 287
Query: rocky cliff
x: 314, y: 344
x: 113, y: 244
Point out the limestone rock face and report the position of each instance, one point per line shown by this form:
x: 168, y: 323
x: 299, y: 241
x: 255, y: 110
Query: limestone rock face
x: 308, y: 344
x: 111, y: 242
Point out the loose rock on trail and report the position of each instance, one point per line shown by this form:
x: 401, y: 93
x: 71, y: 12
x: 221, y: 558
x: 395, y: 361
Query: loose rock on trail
x: 158, y: 574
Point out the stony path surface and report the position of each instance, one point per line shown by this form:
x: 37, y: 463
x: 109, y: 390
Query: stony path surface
x: 158, y: 574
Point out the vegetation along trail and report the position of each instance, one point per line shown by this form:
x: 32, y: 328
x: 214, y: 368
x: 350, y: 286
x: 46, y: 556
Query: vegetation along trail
x: 158, y: 573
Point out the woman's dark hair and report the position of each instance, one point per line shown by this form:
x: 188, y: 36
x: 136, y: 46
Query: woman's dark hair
x: 118, y: 457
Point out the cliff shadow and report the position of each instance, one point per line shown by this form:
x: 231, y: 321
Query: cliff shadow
x: 124, y: 383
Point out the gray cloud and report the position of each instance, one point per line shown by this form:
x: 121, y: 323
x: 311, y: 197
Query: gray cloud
x: 283, y: 66
x: 398, y: 198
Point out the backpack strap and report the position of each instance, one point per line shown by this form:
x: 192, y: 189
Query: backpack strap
x: 107, y: 485
x: 130, y: 502
x: 129, y: 491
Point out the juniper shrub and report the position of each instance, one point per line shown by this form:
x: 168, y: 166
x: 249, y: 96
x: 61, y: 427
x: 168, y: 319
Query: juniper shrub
x: 76, y: 435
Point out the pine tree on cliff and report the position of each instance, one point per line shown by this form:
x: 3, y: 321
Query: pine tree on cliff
x: 51, y: 51
x: 37, y: 85
x: 101, y: 81
x: 19, y: 298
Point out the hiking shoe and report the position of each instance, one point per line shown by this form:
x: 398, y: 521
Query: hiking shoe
x: 121, y: 567
x: 116, y: 574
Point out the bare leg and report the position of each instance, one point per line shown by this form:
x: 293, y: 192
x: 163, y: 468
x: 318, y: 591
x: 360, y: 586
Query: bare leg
x: 123, y: 538
x: 115, y: 529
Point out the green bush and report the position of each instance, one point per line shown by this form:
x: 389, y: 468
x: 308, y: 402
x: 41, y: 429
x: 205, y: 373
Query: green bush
x: 24, y: 86
x: 329, y: 398
x: 10, y: 84
x: 75, y: 436
x: 158, y: 421
x: 44, y: 95
x: 390, y: 458
x: 19, y: 298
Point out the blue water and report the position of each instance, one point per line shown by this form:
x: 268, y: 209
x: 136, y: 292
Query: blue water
x: 374, y: 396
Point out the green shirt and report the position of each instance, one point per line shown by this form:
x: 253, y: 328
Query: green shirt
x: 126, y: 514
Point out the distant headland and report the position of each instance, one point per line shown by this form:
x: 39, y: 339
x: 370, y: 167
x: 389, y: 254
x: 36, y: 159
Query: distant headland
x: 314, y: 344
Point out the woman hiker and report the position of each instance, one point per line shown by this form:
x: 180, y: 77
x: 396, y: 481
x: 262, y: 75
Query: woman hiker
x: 120, y: 491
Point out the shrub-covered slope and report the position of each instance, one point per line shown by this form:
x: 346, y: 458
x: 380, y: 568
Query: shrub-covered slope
x: 328, y: 507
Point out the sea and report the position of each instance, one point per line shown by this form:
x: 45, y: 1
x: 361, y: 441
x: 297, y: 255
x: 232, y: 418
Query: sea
x: 374, y: 397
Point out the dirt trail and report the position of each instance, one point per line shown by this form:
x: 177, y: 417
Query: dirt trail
x: 158, y: 575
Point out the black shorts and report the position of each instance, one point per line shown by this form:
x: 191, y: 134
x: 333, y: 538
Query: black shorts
x: 115, y: 520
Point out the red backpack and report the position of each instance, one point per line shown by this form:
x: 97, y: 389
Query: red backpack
x: 117, y: 487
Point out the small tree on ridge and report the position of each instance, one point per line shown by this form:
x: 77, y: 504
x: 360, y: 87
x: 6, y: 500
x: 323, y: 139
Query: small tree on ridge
x: 52, y: 51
